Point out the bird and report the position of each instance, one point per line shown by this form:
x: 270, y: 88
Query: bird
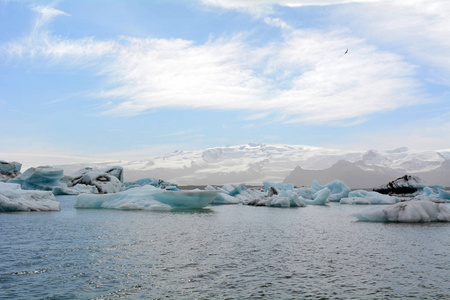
x: 346, y: 51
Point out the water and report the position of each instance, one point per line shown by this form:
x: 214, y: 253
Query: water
x: 224, y: 252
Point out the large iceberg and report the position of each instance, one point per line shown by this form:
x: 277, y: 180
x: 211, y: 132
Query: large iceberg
x: 13, y: 198
x: 147, y: 198
x: 9, y: 170
x: 43, y: 178
x: 414, y: 211
x: 366, y: 197
x: 277, y: 198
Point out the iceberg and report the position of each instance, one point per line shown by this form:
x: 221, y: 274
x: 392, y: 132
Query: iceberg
x: 366, y: 197
x: 9, y: 170
x: 115, y: 171
x: 280, y: 186
x: 414, y: 211
x: 403, y: 185
x: 337, y: 188
x: 103, y: 182
x: 13, y: 198
x: 147, y: 197
x: 439, y: 194
x: 319, y: 197
x: 41, y: 178
x: 277, y: 198
x: 153, y: 182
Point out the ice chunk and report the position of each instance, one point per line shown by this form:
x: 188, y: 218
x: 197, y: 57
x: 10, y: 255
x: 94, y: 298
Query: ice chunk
x: 41, y: 178
x: 414, y: 211
x: 403, y: 185
x: 280, y: 186
x: 13, y: 198
x: 147, y: 197
x: 439, y: 194
x: 115, y: 171
x: 366, y: 197
x: 319, y: 198
x: 338, y: 189
x: 9, y: 170
x: 151, y: 181
x: 305, y: 192
x: 223, y: 198
x: 233, y: 189
x: 104, y: 183
x: 278, y: 199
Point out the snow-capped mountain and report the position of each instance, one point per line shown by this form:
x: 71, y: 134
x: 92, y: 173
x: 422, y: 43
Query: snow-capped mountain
x: 255, y: 163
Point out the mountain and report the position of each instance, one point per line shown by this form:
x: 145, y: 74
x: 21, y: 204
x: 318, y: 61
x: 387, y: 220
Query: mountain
x: 255, y: 163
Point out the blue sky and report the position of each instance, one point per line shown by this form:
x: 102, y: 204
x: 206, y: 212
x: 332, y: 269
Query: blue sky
x: 124, y: 80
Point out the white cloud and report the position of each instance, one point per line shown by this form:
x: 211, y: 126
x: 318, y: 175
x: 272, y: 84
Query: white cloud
x: 305, y: 78
x: 416, y: 28
x: 234, y: 4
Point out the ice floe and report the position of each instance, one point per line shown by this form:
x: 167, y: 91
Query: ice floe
x: 147, y: 197
x: 414, y: 211
x: 366, y: 197
x: 13, y: 198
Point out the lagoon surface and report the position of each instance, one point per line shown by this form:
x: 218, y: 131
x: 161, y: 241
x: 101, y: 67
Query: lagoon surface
x: 221, y: 252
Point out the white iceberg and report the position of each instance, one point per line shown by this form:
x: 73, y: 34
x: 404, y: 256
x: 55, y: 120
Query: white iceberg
x: 103, y: 182
x: 13, y: 198
x: 277, y: 198
x: 319, y: 197
x: 414, y: 211
x: 366, y: 197
x: 148, y: 198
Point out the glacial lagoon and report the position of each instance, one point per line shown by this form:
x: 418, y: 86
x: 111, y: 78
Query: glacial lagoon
x: 220, y: 252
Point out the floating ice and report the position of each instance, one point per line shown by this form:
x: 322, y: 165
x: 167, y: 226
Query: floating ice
x: 231, y: 194
x: 103, y: 182
x: 115, y: 171
x: 366, y: 197
x: 9, y: 170
x: 153, y: 182
x: 439, y: 194
x: 41, y: 178
x: 403, y: 185
x: 147, y: 197
x: 280, y: 186
x: 13, y: 198
x: 305, y: 192
x: 278, y: 198
x: 319, y: 197
x: 414, y: 211
x: 338, y: 189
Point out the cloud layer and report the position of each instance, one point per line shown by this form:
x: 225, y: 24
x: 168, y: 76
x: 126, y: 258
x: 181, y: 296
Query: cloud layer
x: 306, y: 77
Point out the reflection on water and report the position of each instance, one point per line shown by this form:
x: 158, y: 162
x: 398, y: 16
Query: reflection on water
x: 229, y: 252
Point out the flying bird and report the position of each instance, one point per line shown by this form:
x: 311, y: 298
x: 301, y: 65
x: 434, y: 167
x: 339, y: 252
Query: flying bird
x: 346, y: 51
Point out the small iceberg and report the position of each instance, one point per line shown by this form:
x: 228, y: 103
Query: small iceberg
x: 414, y: 211
x: 147, y: 198
x: 13, y: 198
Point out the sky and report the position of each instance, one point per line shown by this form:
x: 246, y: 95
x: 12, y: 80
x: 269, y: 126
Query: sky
x: 125, y: 80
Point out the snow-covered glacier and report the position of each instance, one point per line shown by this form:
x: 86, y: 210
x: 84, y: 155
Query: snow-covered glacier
x: 147, y: 198
x: 13, y: 198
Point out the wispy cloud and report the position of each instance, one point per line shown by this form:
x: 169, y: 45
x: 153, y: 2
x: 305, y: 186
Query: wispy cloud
x: 304, y: 78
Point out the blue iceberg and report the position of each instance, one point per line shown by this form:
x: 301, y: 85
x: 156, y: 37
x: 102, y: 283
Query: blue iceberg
x: 366, y: 197
x: 147, y: 198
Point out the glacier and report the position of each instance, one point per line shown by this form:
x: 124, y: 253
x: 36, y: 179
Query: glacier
x: 414, y: 211
x: 147, y: 197
x: 13, y: 198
